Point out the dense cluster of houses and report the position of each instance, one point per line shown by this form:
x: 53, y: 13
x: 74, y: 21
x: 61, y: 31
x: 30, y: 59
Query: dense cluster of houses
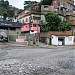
x: 66, y: 11
x: 26, y: 25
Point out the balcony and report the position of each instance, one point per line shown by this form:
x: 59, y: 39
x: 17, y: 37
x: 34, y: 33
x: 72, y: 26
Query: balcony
x: 36, y: 29
x: 25, y: 28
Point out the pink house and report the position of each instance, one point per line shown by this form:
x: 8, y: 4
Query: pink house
x: 33, y: 28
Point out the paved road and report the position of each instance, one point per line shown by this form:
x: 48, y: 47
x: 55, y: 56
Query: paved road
x: 20, y: 60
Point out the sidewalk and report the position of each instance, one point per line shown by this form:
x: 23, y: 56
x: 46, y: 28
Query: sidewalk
x: 41, y: 45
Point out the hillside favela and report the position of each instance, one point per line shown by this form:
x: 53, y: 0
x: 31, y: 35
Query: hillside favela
x: 37, y: 37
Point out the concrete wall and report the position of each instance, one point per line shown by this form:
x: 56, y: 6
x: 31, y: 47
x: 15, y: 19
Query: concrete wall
x: 26, y: 19
x: 68, y: 6
x: 67, y: 41
x: 43, y: 18
x: 47, y: 41
x: 13, y: 34
x: 29, y: 37
x: 54, y: 40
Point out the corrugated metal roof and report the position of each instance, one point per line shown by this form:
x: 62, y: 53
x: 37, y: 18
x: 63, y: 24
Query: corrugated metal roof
x: 10, y: 24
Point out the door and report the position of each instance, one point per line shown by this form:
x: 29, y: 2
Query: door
x: 61, y: 40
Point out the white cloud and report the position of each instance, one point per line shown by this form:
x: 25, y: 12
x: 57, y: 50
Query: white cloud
x: 17, y: 3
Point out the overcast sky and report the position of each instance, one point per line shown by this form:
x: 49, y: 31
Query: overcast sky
x: 18, y: 3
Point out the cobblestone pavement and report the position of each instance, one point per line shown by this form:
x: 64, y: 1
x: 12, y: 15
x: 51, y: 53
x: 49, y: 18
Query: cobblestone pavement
x: 20, y: 60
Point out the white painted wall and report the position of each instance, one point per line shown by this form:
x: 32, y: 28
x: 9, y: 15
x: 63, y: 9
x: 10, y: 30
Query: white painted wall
x: 43, y: 18
x: 54, y: 40
x: 24, y: 19
x: 69, y: 40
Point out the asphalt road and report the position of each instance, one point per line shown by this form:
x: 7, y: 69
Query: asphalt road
x: 20, y: 60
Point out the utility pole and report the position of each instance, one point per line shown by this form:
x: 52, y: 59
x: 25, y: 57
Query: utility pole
x: 37, y: 33
x: 30, y: 17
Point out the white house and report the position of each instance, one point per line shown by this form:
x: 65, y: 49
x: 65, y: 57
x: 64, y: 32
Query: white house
x: 62, y: 40
x: 58, y: 38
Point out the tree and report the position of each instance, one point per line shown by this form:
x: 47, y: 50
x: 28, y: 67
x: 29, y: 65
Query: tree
x: 28, y: 4
x: 54, y: 23
x: 44, y: 26
x: 11, y: 11
x: 64, y: 25
x: 39, y: 7
x: 7, y: 10
x: 4, y: 15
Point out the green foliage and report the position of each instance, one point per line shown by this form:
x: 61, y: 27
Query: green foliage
x: 54, y: 23
x: 65, y: 25
x: 39, y: 7
x: 6, y: 10
x: 3, y: 6
x: 5, y: 15
x: 44, y: 26
x: 11, y: 11
x: 28, y: 4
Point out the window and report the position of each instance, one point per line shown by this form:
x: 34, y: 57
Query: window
x: 23, y: 21
x: 34, y: 25
x: 30, y: 18
x: 26, y: 19
x: 63, y: 4
x: 45, y: 7
x: 36, y: 18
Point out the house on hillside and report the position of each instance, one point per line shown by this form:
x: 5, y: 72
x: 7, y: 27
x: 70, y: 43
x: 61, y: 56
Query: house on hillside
x: 21, y: 15
x: 30, y: 20
x: 60, y: 7
x: 31, y: 25
x: 57, y: 38
x: 65, y: 9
